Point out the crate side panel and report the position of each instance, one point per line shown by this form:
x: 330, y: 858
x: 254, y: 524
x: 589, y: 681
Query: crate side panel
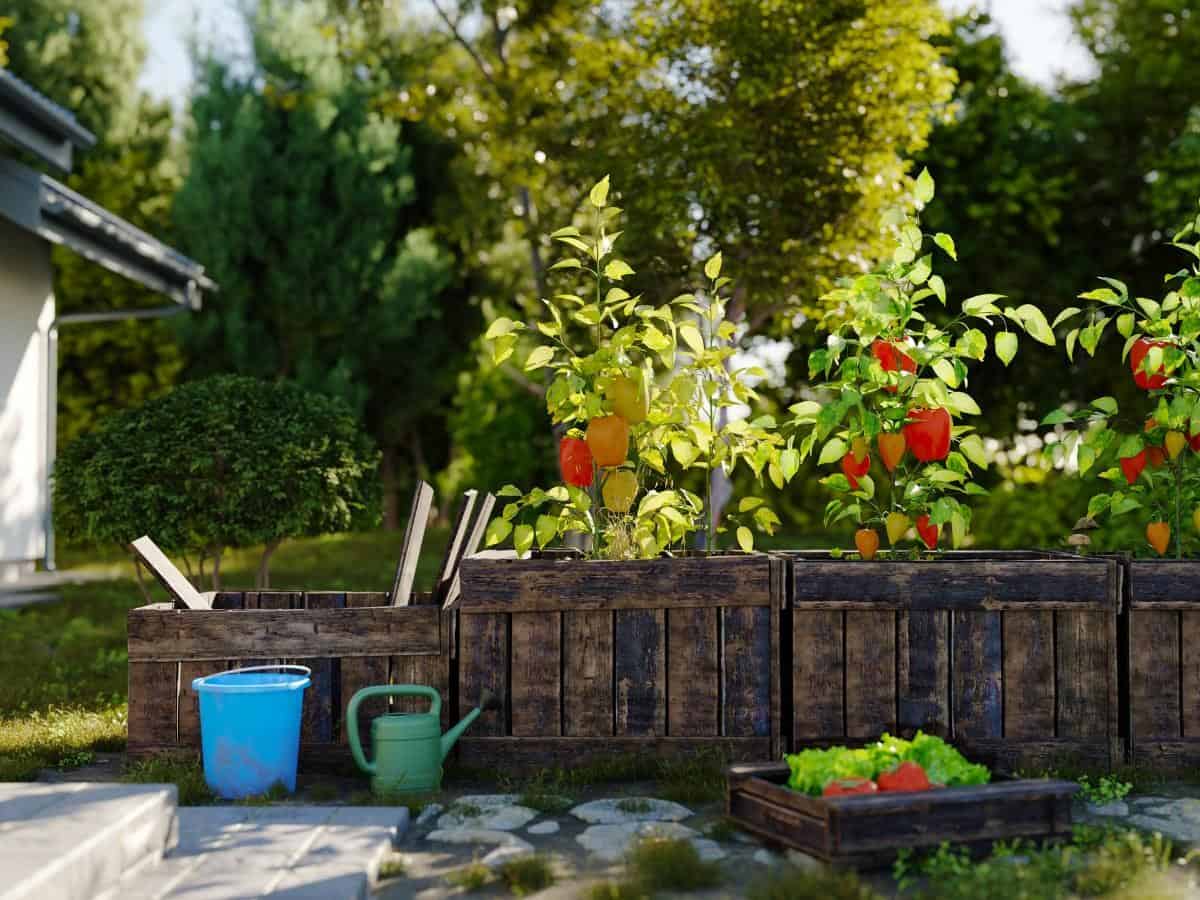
x: 1029, y: 689
x: 923, y: 671
x: 1084, y: 660
x: 818, y: 674
x: 536, y: 674
x: 870, y: 673
x: 977, y: 700
x: 588, y: 674
x: 1154, y: 674
x: 640, y: 672
x: 747, y: 672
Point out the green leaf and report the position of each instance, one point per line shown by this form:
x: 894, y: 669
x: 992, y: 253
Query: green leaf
x: 963, y: 403
x: 1125, y: 323
x: 539, y: 358
x: 805, y: 411
x: 833, y: 451
x: 685, y: 452
x: 946, y: 242
x: 502, y: 325
x: 692, y: 337
x: 974, y: 344
x: 598, y: 196
x: 1069, y: 312
x: 745, y: 538
x: 712, y: 268
x: 1098, y: 504
x: 972, y: 448
x: 924, y: 187
x: 569, y: 231
x: 523, y: 539
x: 617, y: 269
x: 1057, y: 417
x: 789, y: 462
x: 945, y: 371
x: 497, y: 531
x: 748, y: 503
x: 1102, y: 295
x: 938, y: 287
x: 1035, y: 323
x: 568, y: 263
x: 502, y: 347
x: 1070, y: 343
x: 546, y: 529
x: 1107, y: 405
x: 982, y: 304
x: 1006, y: 346
x: 1152, y: 310
x: 921, y: 271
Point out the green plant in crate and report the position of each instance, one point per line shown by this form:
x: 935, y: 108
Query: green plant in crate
x: 644, y: 392
x: 1149, y: 455
x: 891, y: 378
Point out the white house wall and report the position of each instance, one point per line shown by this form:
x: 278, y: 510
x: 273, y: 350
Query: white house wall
x: 26, y: 314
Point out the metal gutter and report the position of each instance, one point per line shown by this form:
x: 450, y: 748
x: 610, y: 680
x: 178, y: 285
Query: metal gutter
x: 37, y: 124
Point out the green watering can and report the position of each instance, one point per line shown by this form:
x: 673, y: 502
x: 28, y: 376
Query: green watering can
x: 409, y: 747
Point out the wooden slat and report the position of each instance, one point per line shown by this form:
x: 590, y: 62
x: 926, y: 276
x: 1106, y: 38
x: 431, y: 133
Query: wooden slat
x: 1154, y: 674
x: 156, y: 635
x: 1173, y: 756
x: 923, y: 671
x: 1164, y: 584
x: 818, y: 674
x: 639, y: 663
x: 1084, y: 659
x: 189, y: 703
x: 1029, y: 674
x: 536, y: 682
x: 455, y: 546
x: 954, y: 584
x: 513, y: 754
x: 320, y: 712
x: 498, y: 585
x: 588, y: 673
x: 977, y: 701
x: 1190, y: 631
x: 153, y: 704
x: 693, y: 673
x: 471, y: 547
x: 429, y: 670
x: 483, y: 663
x: 358, y: 672
x: 410, y: 549
x: 870, y: 673
x: 1010, y: 755
x: 779, y: 586
x: 746, y: 672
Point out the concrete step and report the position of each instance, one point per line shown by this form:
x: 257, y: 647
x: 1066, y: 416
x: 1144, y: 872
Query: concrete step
x: 293, y: 852
x: 77, y: 841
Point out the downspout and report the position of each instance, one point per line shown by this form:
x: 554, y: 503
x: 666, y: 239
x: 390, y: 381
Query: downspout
x: 162, y: 312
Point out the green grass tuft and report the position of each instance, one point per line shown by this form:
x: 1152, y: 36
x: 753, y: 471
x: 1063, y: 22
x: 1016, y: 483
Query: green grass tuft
x: 545, y: 792
x: 469, y: 878
x: 670, y: 864
x: 634, y: 805
x: 185, y: 774
x: 616, y: 890
x: 697, y: 778
x: 793, y: 883
x: 392, y: 867
x: 723, y: 830
x: 322, y: 792
x: 276, y: 793
x: 527, y: 875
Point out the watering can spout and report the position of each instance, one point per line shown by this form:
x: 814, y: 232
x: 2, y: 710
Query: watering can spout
x: 488, y: 701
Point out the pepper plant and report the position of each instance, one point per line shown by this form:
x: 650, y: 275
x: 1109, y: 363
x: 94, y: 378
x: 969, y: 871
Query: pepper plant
x: 644, y: 393
x: 890, y: 378
x: 1149, y: 453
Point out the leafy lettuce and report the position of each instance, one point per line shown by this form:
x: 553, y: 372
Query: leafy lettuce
x: 812, y: 770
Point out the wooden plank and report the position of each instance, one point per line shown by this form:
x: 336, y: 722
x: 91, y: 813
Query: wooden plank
x: 189, y: 702
x: 1029, y: 673
x: 1175, y: 757
x: 693, y: 673
x: 588, y: 674
x: 410, y: 550
x: 953, y: 584
x: 166, y: 573
x: 153, y: 704
x: 358, y: 672
x: 746, y: 672
x: 535, y: 678
x: 483, y: 664
x: 923, y: 671
x: 455, y: 546
x: 818, y: 674
x: 1010, y: 755
x: 155, y: 635
x: 513, y: 754
x: 1084, y: 660
x: 1164, y: 584
x: 429, y: 670
x: 639, y: 669
x: 977, y: 698
x: 1190, y: 646
x: 779, y: 583
x: 317, y: 724
x: 474, y: 542
x: 870, y: 673
x: 498, y: 585
x: 1154, y: 657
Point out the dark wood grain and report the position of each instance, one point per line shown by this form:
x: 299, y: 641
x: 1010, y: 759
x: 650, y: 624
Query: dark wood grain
x: 535, y: 677
x: 1154, y: 674
x: 779, y: 589
x: 693, y: 673
x: 483, y: 664
x: 526, y: 755
x: 746, y: 672
x: 923, y: 671
x: 588, y: 674
x: 428, y: 670
x: 818, y: 674
x: 640, y: 672
x: 471, y: 545
x: 977, y: 679
x: 498, y: 585
x: 870, y: 673
x: 1164, y: 583
x: 1085, y: 657
x: 321, y: 698
x: 1029, y: 674
x: 358, y: 672
x: 189, y: 700
x: 454, y: 546
x: 410, y: 549
x: 153, y: 704
x: 1190, y: 671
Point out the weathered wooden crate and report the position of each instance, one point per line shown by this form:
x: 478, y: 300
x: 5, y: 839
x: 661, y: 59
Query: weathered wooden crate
x: 598, y: 658
x: 350, y: 640
x: 866, y: 831
x: 1013, y: 656
x: 1163, y: 662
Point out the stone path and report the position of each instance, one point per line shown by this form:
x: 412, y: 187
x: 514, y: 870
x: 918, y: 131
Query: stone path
x: 1177, y: 818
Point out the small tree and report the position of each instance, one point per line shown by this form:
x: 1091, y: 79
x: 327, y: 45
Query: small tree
x: 223, y: 462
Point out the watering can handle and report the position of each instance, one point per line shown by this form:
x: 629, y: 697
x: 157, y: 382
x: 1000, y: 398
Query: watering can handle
x: 384, y: 690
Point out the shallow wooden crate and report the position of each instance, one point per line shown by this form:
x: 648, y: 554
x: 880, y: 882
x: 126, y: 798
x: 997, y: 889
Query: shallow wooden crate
x: 350, y: 640
x: 1163, y: 663
x: 1011, y: 655
x: 602, y: 658
x: 866, y: 831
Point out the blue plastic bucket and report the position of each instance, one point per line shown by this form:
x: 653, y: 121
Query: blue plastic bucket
x: 250, y: 728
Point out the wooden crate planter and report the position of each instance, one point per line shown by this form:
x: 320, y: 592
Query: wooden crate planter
x: 1012, y: 656
x: 1163, y: 663
x: 612, y: 657
x: 868, y: 831
x: 349, y: 640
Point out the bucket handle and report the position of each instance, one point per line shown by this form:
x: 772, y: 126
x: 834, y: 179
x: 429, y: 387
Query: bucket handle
x: 304, y: 671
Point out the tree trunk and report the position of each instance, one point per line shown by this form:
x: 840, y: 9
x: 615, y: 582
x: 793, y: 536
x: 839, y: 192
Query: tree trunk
x: 141, y: 580
x: 216, y: 568
x: 529, y: 215
x: 262, y: 579
x: 387, y: 474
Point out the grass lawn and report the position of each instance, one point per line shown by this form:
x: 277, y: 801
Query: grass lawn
x: 63, y: 665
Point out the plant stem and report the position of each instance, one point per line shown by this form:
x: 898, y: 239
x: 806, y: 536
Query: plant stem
x: 1178, y: 467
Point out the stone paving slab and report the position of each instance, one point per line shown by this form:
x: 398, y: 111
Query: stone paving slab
x: 297, y: 852
x: 76, y: 841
